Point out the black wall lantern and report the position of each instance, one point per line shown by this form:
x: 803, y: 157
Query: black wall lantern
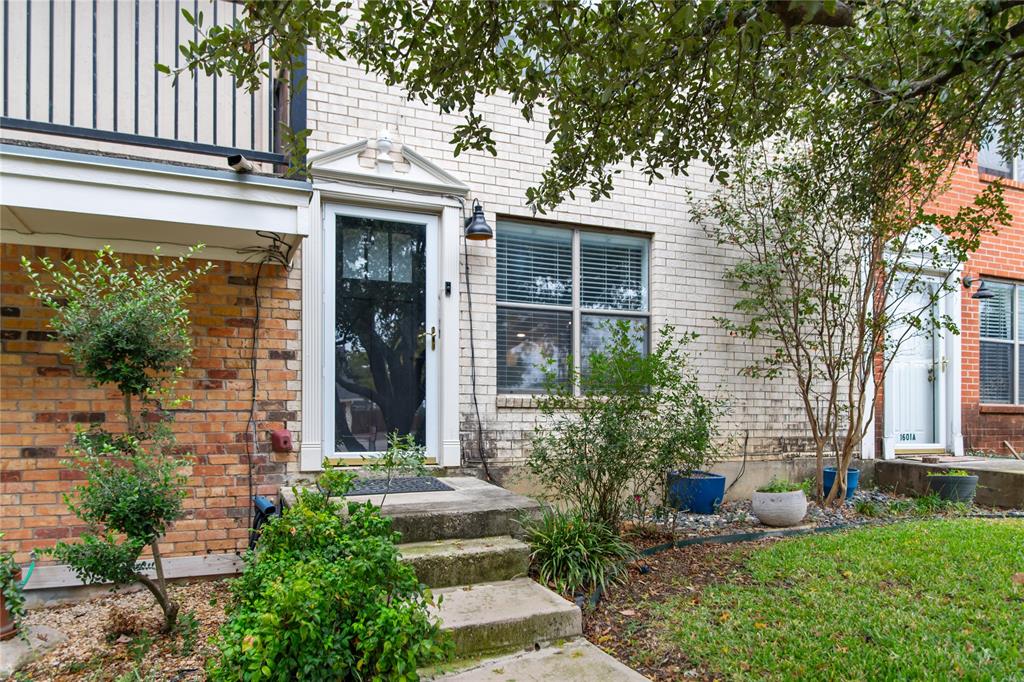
x: 477, y: 228
x: 983, y: 291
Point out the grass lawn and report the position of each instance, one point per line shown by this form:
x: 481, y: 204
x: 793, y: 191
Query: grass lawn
x: 928, y: 600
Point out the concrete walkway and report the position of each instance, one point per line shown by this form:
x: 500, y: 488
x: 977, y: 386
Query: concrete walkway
x: 574, y: 661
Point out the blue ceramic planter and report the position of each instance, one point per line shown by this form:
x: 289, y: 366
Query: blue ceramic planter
x: 700, y: 493
x: 852, y: 476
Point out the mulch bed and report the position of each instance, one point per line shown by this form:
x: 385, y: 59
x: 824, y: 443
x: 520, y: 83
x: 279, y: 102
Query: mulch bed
x: 622, y: 623
x: 111, y: 635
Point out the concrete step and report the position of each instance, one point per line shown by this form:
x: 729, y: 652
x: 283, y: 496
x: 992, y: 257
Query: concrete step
x: 576, y: 660
x: 444, y: 563
x: 471, y: 509
x: 505, y: 616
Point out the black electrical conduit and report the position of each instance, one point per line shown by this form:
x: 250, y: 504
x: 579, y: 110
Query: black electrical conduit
x: 595, y: 597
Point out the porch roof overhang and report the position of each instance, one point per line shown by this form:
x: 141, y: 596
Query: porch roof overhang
x: 74, y: 200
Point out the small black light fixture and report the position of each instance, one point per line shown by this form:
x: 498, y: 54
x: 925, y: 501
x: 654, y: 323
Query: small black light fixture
x: 477, y: 228
x: 983, y: 291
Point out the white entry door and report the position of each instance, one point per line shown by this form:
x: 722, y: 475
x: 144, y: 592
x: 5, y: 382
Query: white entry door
x: 382, y: 330
x: 915, y: 389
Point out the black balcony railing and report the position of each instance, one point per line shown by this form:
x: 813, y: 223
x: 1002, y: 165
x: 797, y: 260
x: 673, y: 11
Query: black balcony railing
x: 86, y: 69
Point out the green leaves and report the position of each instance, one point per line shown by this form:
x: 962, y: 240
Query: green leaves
x: 574, y: 554
x: 127, y: 326
x: 324, y: 597
x: 123, y: 325
x: 640, y: 414
x: 137, y: 491
x: 10, y: 585
x: 665, y: 87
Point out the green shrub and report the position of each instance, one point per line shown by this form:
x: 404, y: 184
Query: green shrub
x: 14, y: 596
x: 639, y: 415
x: 335, y: 480
x: 778, y: 486
x: 575, y: 554
x: 127, y: 326
x: 901, y: 507
x: 124, y: 325
x: 324, y: 597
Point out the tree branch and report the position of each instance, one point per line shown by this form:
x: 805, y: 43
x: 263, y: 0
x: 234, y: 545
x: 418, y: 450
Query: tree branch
x: 795, y: 14
x: 984, y: 49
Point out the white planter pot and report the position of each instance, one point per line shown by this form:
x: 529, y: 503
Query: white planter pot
x: 779, y: 509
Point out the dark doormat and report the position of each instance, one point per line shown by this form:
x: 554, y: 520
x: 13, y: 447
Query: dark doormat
x: 406, y: 484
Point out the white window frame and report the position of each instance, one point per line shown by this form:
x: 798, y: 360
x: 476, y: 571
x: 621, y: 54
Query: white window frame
x: 576, y: 308
x: 1016, y: 341
x: 1016, y: 167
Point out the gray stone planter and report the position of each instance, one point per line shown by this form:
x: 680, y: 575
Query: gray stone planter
x: 953, y: 488
x: 779, y: 509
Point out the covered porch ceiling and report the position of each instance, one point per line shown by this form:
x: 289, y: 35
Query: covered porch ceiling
x: 74, y: 200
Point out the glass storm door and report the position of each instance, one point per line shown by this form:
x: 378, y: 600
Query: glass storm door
x: 384, y: 330
x: 916, y: 373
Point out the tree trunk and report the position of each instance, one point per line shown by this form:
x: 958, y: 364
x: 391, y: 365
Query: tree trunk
x: 129, y: 419
x: 159, y: 589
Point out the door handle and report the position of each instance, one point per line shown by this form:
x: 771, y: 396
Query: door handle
x: 944, y: 363
x: 433, y: 337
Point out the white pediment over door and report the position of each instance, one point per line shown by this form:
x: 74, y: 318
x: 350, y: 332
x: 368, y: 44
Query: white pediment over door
x: 382, y: 163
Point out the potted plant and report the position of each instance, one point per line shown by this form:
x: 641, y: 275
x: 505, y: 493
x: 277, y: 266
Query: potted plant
x: 12, y: 598
x: 954, y: 485
x: 700, y: 492
x: 779, y: 504
x: 852, y: 477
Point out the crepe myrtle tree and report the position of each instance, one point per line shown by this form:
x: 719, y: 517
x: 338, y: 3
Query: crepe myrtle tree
x: 660, y: 86
x: 833, y: 280
x: 126, y: 326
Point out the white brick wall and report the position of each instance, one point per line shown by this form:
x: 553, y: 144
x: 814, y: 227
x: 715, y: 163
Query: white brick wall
x: 687, y: 288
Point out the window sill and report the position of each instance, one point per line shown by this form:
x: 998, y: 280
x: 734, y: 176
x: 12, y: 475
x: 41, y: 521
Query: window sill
x: 517, y: 401
x: 1001, y: 409
x: 1007, y: 182
x: 512, y: 401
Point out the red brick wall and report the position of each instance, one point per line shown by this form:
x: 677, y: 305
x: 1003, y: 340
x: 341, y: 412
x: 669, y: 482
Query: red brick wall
x: 986, y: 427
x: 42, y: 400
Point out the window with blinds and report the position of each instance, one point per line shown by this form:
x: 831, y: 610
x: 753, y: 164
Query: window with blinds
x: 1001, y: 347
x: 558, y: 289
x: 613, y: 272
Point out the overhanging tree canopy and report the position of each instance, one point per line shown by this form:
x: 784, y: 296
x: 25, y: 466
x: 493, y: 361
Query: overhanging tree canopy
x: 898, y: 84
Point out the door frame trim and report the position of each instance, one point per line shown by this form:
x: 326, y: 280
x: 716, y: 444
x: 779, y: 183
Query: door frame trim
x: 950, y: 423
x: 446, y: 209
x: 431, y: 314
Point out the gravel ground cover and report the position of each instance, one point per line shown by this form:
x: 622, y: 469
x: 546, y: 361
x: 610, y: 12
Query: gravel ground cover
x: 116, y: 637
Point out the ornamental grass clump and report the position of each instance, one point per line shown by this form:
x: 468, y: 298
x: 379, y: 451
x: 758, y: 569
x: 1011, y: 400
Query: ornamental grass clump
x: 574, y: 554
x: 325, y: 597
x: 126, y: 326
